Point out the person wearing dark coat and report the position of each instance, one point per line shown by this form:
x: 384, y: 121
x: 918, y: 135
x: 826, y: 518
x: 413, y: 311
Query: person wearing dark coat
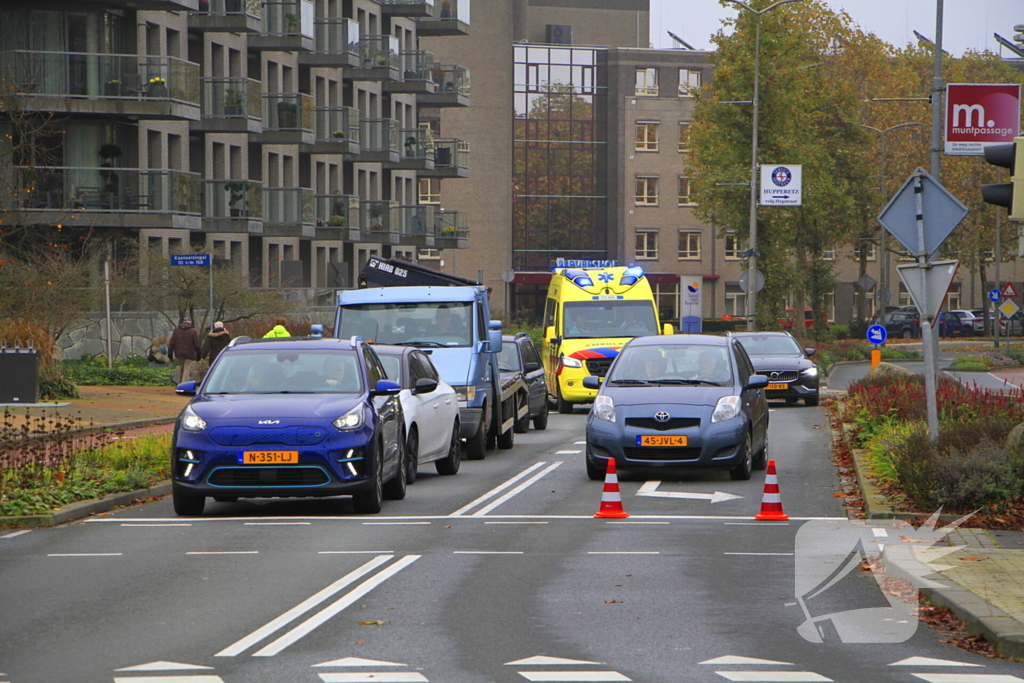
x: 216, y: 341
x: 184, y: 345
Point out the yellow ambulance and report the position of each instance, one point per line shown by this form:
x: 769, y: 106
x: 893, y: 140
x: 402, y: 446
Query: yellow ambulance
x: 589, y: 314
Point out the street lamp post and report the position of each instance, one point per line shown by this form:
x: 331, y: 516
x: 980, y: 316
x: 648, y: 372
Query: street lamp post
x: 884, y: 265
x: 752, y: 246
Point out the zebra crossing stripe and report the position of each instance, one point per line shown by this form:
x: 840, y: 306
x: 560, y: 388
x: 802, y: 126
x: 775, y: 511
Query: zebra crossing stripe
x: 170, y: 679
x: 578, y: 676
x: 774, y: 676
x: 375, y: 677
x: 969, y: 678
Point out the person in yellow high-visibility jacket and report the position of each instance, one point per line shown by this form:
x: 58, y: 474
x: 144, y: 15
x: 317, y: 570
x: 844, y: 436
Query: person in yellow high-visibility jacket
x: 278, y: 330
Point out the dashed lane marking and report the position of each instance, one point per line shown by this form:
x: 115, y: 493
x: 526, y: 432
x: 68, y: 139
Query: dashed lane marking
x: 223, y: 552
x: 278, y: 523
x: 515, y: 522
x: 763, y: 554
x: 12, y: 535
x: 85, y: 554
x: 623, y: 552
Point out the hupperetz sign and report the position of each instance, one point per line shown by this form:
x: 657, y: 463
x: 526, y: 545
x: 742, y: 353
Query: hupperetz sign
x: 781, y: 184
x: 978, y: 115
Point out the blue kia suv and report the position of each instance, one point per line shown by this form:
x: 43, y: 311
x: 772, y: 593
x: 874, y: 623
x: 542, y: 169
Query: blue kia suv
x: 290, y: 417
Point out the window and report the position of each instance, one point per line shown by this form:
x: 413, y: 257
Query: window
x: 647, y: 191
x: 735, y: 301
x: 646, y: 136
x: 684, y: 191
x: 646, y: 244
x: 667, y: 296
x: 430, y: 190
x: 953, y: 297
x: 684, y: 137
x: 905, y: 255
x: 904, y: 296
x: 429, y: 254
x: 689, y: 245
x: 689, y: 81
x: 647, y: 82
x: 870, y: 252
x: 734, y: 248
x: 989, y: 255
x: 828, y: 254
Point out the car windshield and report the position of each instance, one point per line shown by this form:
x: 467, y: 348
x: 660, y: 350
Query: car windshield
x: 600, y: 319
x: 293, y: 371
x: 770, y: 345
x: 671, y: 364
x: 412, y: 324
x: 508, y: 359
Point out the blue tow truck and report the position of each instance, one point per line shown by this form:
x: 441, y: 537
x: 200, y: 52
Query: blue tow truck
x: 405, y: 304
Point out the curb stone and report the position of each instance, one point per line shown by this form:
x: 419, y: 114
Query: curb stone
x: 86, y: 508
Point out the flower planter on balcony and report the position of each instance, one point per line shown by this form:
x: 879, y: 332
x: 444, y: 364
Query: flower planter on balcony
x: 158, y: 90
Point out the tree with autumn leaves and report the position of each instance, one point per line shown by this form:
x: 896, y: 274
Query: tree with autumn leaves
x: 818, y: 76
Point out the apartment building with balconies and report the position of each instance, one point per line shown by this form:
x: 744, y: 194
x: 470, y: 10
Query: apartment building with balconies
x: 286, y: 137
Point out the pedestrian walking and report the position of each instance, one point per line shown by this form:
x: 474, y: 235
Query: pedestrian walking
x: 184, y: 346
x: 278, y: 330
x: 216, y: 341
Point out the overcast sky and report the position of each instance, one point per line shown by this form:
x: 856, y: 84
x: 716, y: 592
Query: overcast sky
x: 967, y: 24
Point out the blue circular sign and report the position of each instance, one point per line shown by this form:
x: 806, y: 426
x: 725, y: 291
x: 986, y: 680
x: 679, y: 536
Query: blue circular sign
x: 782, y: 176
x: 877, y: 334
x: 994, y: 295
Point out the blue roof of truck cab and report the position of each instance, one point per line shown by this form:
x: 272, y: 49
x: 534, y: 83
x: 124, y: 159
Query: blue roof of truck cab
x: 373, y: 295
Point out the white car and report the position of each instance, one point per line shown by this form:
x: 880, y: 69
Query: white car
x: 431, y: 410
x: 971, y: 321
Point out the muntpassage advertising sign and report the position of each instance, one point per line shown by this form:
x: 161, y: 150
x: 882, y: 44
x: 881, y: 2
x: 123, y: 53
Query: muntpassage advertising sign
x: 978, y: 115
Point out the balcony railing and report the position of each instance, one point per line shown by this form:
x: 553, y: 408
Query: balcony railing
x: 336, y: 36
x: 239, y: 199
x: 378, y: 217
x: 337, y: 124
x: 379, y: 52
x: 451, y: 153
x: 378, y: 135
x: 410, y: 8
x: 448, y: 18
x: 451, y: 78
x: 105, y: 189
x: 337, y: 211
x: 416, y: 221
x: 417, y: 65
x: 224, y: 7
x: 288, y: 205
x: 417, y: 143
x: 451, y: 224
x: 231, y: 98
x: 292, y: 111
x: 288, y: 18
x: 85, y: 75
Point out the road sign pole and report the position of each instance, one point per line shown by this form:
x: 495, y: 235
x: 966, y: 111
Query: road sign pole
x: 999, y: 257
x: 926, y: 325
x: 211, y: 293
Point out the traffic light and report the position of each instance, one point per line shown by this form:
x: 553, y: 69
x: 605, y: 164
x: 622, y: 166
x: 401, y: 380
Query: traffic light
x: 1011, y: 194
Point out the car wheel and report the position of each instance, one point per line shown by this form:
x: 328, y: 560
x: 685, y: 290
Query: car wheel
x: 395, y: 487
x: 811, y: 401
x: 412, y: 456
x: 595, y: 472
x: 907, y: 334
x: 371, y: 502
x: 743, y: 471
x: 540, y: 423
x: 508, y: 439
x: 522, y: 426
x: 761, y: 461
x: 450, y: 463
x: 476, y: 445
x: 564, y: 407
x: 186, y: 504
x: 226, y: 499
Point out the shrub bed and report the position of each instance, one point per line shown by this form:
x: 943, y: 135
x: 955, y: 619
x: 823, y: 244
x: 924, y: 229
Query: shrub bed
x: 132, y: 371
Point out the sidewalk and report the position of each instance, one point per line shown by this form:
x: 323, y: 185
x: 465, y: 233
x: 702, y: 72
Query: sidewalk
x: 125, y: 407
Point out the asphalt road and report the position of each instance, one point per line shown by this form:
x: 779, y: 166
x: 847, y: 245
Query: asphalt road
x: 467, y: 580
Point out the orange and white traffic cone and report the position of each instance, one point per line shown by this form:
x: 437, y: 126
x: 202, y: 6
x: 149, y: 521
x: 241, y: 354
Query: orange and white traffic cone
x: 611, y: 501
x: 771, y: 503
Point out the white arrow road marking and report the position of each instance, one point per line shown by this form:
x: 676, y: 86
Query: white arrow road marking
x: 399, y: 677
x: 547, y: 661
x: 734, y: 659
x: 969, y: 678
x: 358, y: 661
x: 650, y: 489
x: 928, y: 661
x: 163, y: 666
x: 774, y: 676
x: 321, y: 617
x: 170, y: 679
x: 573, y: 676
x: 297, y: 611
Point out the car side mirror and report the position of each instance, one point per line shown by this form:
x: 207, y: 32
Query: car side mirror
x: 494, y: 341
x: 757, y: 382
x: 425, y: 385
x: 186, y: 389
x: 592, y: 382
x: 809, y: 352
x: 531, y: 367
x: 549, y: 335
x: 385, y: 387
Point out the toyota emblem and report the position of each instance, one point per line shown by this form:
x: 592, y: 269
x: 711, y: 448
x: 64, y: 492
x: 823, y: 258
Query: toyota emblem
x: 662, y: 416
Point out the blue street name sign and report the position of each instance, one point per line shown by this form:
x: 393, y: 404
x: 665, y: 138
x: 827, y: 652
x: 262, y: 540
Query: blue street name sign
x: 191, y: 259
x: 994, y: 295
x: 877, y: 334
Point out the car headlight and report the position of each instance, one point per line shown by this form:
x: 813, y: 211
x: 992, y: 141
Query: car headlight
x: 191, y: 422
x: 353, y: 419
x: 465, y: 393
x: 604, y: 408
x: 571, y: 362
x: 809, y: 372
x: 728, y: 407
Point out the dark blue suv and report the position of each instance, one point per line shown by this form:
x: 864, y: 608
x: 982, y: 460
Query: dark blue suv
x: 290, y: 417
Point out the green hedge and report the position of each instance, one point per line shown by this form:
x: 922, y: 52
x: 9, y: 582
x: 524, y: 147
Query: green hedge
x: 133, y: 371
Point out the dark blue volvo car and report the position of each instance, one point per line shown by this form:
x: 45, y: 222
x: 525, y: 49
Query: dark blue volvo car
x: 290, y: 417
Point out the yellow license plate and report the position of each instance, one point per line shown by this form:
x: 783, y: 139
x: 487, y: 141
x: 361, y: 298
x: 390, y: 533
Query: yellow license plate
x: 660, y: 440
x: 773, y: 387
x: 268, y: 458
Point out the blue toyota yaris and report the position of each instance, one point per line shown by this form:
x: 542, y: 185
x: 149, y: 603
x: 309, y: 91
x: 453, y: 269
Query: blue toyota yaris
x: 290, y: 417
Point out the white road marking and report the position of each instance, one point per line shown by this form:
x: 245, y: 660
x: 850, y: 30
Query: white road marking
x: 968, y: 678
x: 567, y: 452
x: 573, y: 676
x: 170, y: 679
x: 393, y: 677
x: 623, y: 552
x: 763, y: 554
x: 223, y: 552
x: 85, y: 554
x: 635, y: 522
x: 736, y: 659
x: 544, y: 660
x: 487, y: 552
x: 650, y: 488
x: 495, y: 491
x: 517, y: 490
x: 358, y: 661
x: 579, y: 443
x: 880, y: 533
x: 278, y: 523
x: 583, y: 518
x: 354, y: 552
x: 394, y: 523
x: 304, y: 606
x: 12, y: 535
x: 146, y: 526
x: 757, y: 523
x: 515, y: 522
x: 163, y: 666
x: 321, y: 617
x: 773, y: 676
x: 929, y: 661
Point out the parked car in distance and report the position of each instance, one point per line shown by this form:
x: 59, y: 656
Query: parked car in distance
x: 901, y: 324
x: 430, y: 408
x: 969, y: 322
x: 979, y: 319
x: 519, y: 357
x: 791, y: 373
x: 690, y: 401
x: 289, y: 417
x: 951, y: 324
